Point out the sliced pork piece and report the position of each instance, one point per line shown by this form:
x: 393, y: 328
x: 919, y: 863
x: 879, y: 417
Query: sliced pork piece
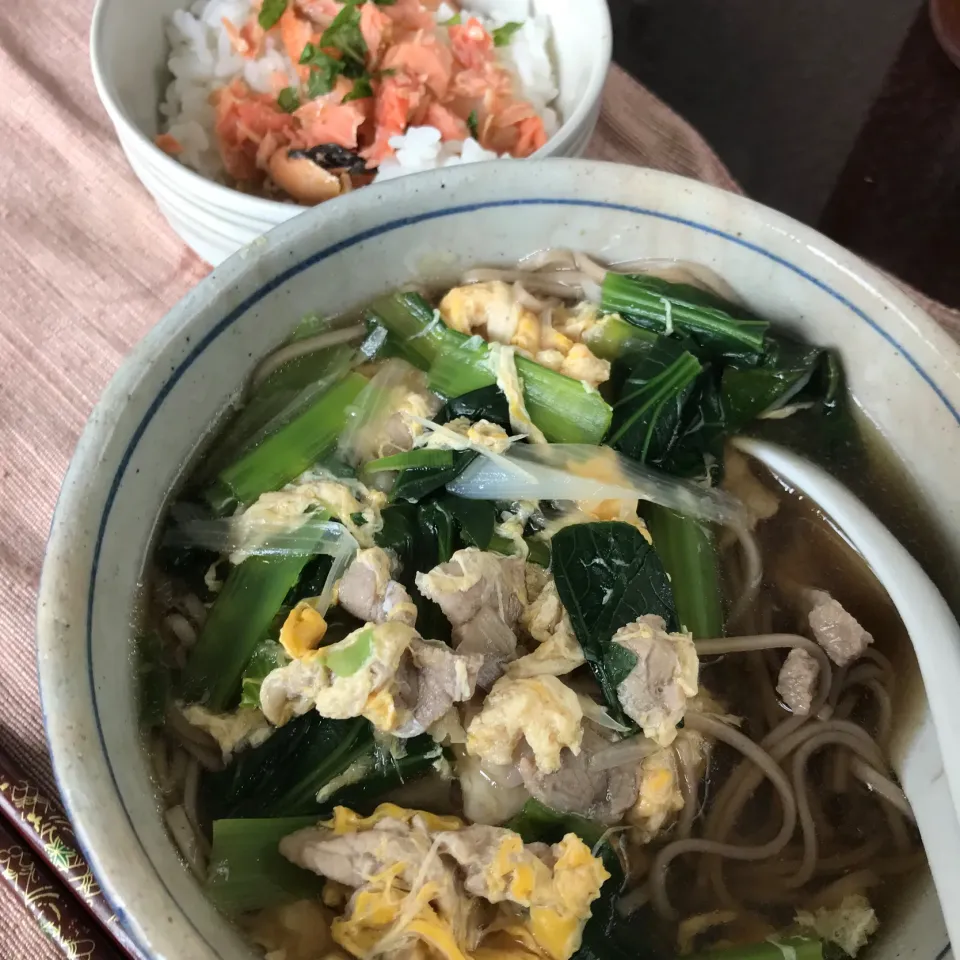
x: 487, y: 636
x: 439, y: 679
x: 797, y: 681
x: 492, y: 859
x: 360, y: 855
x: 655, y: 692
x: 576, y: 788
x: 474, y: 579
x: 400, y: 431
x: 354, y: 857
x: 396, y: 850
x: 483, y: 596
x: 368, y: 591
x: 840, y: 635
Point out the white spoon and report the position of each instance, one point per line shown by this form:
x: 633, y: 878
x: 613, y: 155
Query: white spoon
x: 930, y: 776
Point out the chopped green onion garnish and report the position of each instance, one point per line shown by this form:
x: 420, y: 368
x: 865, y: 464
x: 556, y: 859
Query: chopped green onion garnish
x: 288, y: 99
x: 345, y: 661
x: 344, y: 34
x: 473, y: 125
x: 271, y: 12
x: 361, y: 89
x: 503, y: 35
x: 454, y: 21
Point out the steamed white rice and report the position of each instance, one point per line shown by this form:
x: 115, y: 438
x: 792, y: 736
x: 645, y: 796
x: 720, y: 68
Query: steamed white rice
x: 202, y: 59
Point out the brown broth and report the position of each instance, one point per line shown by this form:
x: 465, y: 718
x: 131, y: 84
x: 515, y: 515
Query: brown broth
x: 800, y: 546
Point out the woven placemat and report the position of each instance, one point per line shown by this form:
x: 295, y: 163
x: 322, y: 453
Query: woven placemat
x: 89, y: 265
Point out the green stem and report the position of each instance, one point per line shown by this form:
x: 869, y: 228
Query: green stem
x: 239, y: 620
x: 424, y: 457
x: 561, y: 407
x: 689, y: 555
x: 283, y: 395
x: 283, y: 456
x: 247, y: 870
x: 797, y: 948
x: 664, y: 307
x: 613, y: 338
x: 416, y: 325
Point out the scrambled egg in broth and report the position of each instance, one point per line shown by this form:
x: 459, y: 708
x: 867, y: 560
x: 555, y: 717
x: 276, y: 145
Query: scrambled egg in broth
x: 492, y: 311
x: 289, y: 508
x: 461, y: 891
x: 350, y: 678
x: 542, y: 711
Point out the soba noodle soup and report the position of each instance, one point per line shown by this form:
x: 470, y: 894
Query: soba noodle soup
x: 472, y: 635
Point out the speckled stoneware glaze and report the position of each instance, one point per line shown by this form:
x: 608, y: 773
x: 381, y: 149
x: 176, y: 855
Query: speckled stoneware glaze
x: 903, y: 371
x: 128, y: 55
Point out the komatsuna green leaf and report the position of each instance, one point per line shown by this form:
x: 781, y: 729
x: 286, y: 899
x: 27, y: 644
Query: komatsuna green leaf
x: 648, y: 416
x: 420, y: 756
x: 282, y: 776
x: 411, y: 531
x: 475, y: 519
x: 697, y: 451
x: 436, y: 544
x: 486, y: 403
x: 247, y: 871
x: 441, y: 530
x: 607, y: 576
x: 688, y: 552
x: 786, y: 369
x: 718, y: 329
x: 399, y: 534
x: 311, y: 581
x: 266, y: 658
x: 538, y: 823
x: 415, y: 483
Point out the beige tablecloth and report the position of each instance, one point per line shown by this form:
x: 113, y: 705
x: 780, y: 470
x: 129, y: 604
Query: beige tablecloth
x: 87, y: 266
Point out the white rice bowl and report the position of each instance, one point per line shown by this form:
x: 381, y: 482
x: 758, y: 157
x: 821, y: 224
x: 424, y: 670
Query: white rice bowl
x: 202, y: 59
